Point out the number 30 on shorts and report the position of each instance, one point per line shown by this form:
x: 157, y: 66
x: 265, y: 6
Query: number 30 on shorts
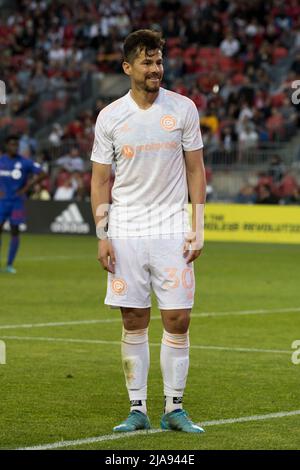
x: 186, y: 277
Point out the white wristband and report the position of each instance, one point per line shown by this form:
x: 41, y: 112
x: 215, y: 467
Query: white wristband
x: 101, y: 232
x: 102, y: 226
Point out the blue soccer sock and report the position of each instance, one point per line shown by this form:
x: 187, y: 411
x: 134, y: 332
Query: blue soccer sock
x: 13, y: 248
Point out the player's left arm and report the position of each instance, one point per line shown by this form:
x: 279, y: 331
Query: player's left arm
x: 196, y: 181
x: 36, y: 176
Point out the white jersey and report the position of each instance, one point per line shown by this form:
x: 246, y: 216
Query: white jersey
x: 150, y: 193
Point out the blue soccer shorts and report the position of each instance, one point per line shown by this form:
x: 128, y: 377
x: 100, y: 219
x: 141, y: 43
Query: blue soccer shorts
x: 13, y: 211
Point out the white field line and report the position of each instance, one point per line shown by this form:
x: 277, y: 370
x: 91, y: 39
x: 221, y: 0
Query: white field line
x: 56, y: 258
x: 155, y: 317
x: 99, y: 341
x: 112, y: 437
x: 62, y: 323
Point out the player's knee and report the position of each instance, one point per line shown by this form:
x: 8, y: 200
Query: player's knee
x: 134, y: 319
x: 177, y: 323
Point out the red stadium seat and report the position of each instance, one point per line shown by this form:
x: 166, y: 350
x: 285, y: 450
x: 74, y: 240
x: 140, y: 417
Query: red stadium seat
x: 278, y: 54
x: 238, y: 79
x: 175, y: 52
x: 173, y: 42
x: 19, y: 126
x: 209, y: 52
x: 226, y: 64
x: 50, y: 107
x: 5, y: 121
x: 277, y: 100
x: 61, y: 178
x: 190, y: 52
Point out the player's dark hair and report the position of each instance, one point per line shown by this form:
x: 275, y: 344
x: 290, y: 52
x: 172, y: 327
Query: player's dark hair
x: 11, y: 137
x: 141, y: 40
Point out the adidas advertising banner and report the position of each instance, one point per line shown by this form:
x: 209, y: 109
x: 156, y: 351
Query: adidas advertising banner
x: 68, y: 217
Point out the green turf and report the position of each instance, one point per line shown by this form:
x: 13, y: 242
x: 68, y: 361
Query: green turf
x: 53, y: 391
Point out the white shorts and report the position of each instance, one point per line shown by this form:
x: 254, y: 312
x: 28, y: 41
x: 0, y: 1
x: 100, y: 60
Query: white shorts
x: 143, y: 264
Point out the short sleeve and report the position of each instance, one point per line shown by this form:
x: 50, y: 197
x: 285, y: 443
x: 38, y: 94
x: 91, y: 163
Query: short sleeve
x: 103, y: 149
x: 34, y: 168
x: 191, y: 135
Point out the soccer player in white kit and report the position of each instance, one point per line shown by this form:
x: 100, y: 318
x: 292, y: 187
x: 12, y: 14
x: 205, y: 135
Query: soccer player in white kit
x: 153, y: 138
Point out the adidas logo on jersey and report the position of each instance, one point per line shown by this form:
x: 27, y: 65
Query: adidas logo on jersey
x: 70, y: 221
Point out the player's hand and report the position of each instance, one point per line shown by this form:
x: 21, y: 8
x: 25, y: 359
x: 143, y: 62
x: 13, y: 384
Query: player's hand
x: 106, y: 255
x: 191, y: 249
x: 21, y: 191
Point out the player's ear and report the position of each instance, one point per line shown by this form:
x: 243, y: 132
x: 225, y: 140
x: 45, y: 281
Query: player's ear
x: 127, y: 68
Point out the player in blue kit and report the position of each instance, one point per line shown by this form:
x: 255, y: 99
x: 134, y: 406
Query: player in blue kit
x: 17, y: 176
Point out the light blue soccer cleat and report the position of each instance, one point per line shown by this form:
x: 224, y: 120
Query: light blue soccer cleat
x: 178, y: 420
x: 10, y: 270
x: 136, y: 420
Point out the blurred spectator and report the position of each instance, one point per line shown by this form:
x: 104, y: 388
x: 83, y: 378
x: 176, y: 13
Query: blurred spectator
x: 210, y: 140
x: 288, y: 186
x: 276, y: 169
x: 248, y: 138
x: 67, y: 190
x: 275, y: 124
x: 230, y: 45
x: 72, y: 161
x: 295, y: 67
x: 294, y: 198
x: 40, y: 193
x: 290, y: 117
x: 247, y: 195
x: 27, y: 144
x: 39, y: 80
x: 210, y: 120
x: 265, y: 196
x: 55, y: 137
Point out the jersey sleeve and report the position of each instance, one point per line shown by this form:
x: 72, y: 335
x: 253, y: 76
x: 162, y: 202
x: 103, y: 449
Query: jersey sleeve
x: 191, y: 136
x: 34, y: 168
x: 103, y: 149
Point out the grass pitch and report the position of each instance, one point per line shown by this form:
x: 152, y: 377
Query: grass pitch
x: 65, y: 382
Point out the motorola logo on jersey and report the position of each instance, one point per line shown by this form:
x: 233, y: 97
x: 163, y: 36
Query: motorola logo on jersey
x: 128, y: 151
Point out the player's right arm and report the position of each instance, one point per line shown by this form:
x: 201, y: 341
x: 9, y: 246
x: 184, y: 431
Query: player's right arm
x: 100, y: 197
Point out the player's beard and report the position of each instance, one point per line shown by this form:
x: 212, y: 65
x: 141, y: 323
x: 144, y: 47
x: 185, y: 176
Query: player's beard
x: 152, y: 87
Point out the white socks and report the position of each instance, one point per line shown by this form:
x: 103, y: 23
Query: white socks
x: 174, y: 362
x: 136, y: 361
